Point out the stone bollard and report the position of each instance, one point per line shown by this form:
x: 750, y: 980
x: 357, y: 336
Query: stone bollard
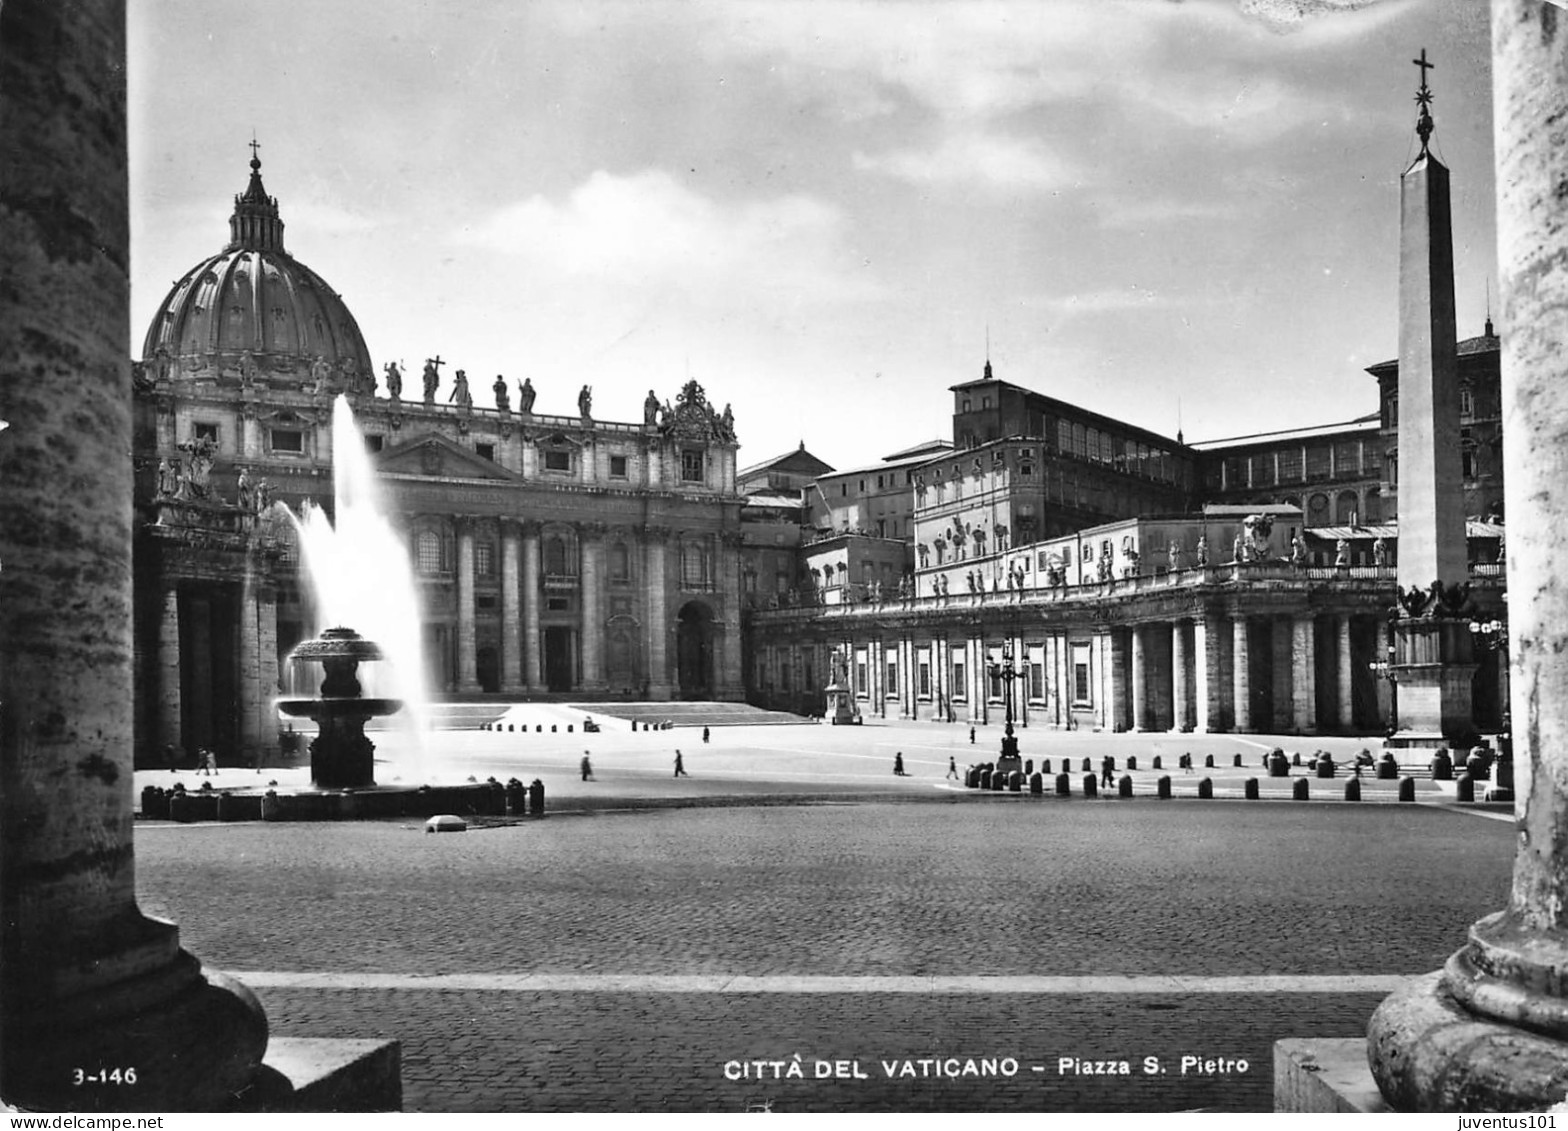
x: 1250, y: 791
x: 1086, y: 766
x: 1156, y: 763
x: 1476, y: 766
x: 516, y: 798
x: 182, y: 808
x: 511, y: 728
x: 1387, y: 768
x: 1208, y: 761
x: 1132, y: 761
x: 1325, y: 765
x: 1236, y: 763
x: 985, y: 777
x: 1124, y: 786
x: 1353, y: 789
x: 271, y: 806
x: 1206, y: 789
x: 155, y: 804
x: 568, y: 728
x: 553, y: 728
x: 1466, y: 788
x: 998, y: 781
x: 1278, y: 766
x: 536, y: 799
x: 1064, y: 785
x: 971, y: 777
x: 1028, y: 765
x: 1407, y: 789
x: 1442, y: 765
x: 1295, y: 759
x: 1298, y: 791
x: 1162, y: 787
x: 1091, y: 785
x: 1036, y: 784
x: 1045, y: 767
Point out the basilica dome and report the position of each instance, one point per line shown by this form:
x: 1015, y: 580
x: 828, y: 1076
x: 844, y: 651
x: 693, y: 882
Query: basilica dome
x: 255, y: 313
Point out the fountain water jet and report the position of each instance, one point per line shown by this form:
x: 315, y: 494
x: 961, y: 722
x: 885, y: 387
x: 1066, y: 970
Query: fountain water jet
x: 361, y: 576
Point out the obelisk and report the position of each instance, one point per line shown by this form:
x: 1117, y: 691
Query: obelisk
x: 1433, y: 661
x: 1490, y: 1031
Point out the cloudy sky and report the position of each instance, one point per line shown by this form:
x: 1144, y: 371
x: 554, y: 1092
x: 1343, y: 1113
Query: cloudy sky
x: 820, y: 210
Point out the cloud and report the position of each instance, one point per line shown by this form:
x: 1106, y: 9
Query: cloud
x: 973, y: 159
x: 647, y: 230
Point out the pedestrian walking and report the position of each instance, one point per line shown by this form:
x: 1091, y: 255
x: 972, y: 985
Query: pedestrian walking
x: 587, y: 767
x: 952, y: 766
x: 1108, y: 771
x: 680, y: 766
x: 705, y: 734
x: 209, y: 762
x: 898, y: 765
x: 971, y: 736
x: 169, y: 756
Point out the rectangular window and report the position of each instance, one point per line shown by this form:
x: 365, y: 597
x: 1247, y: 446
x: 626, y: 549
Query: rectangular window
x: 924, y: 677
x: 485, y: 451
x: 860, y: 677
x: 1262, y: 469
x: 202, y: 430
x: 891, y: 688
x: 288, y: 440
x: 374, y: 443
x: 1317, y: 462
x: 993, y: 679
x: 1081, y: 686
x: 558, y: 461
x: 1036, y: 681
x: 691, y: 466
x: 484, y: 559
x: 960, y: 689
x: 1347, y: 458
x: 617, y: 467
x: 1290, y: 465
x: 558, y: 604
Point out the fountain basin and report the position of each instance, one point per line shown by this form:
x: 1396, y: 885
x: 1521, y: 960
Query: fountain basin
x: 339, y: 707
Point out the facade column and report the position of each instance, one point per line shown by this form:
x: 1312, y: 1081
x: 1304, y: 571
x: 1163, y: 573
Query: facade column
x: 85, y: 978
x: 1140, y: 681
x: 1241, y: 674
x: 591, y: 538
x: 467, y: 671
x: 249, y: 673
x: 267, y: 632
x: 728, y: 682
x: 511, y: 611
x: 532, y: 682
x: 1209, y: 674
x: 1490, y: 1032
x: 1181, y: 699
x: 1346, y: 691
x: 170, y: 720
x: 657, y: 620
x: 1112, y: 659
x: 1303, y: 674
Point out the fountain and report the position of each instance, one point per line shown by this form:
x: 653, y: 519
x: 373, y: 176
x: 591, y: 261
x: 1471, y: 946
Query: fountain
x: 341, y: 755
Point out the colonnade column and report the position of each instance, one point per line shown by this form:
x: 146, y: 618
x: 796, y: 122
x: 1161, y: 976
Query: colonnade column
x: 86, y: 980
x: 1303, y: 674
x: 1209, y: 673
x: 1344, y: 674
x: 467, y: 672
x: 1241, y: 674
x: 511, y: 612
x: 169, y: 716
x: 591, y: 537
x: 654, y: 540
x: 729, y: 684
x: 1181, y: 701
x: 530, y: 602
x: 1140, y: 682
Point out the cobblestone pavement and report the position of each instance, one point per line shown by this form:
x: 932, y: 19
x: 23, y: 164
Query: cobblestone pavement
x: 941, y: 889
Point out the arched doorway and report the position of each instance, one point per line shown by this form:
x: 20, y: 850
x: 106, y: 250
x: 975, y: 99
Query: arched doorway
x: 694, y: 651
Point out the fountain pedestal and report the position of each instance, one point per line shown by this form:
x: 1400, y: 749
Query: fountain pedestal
x: 341, y: 757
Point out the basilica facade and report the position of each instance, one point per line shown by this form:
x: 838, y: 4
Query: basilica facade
x: 555, y: 555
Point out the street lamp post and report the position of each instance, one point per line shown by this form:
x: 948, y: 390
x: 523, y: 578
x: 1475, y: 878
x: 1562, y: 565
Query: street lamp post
x: 1492, y: 636
x: 1006, y: 672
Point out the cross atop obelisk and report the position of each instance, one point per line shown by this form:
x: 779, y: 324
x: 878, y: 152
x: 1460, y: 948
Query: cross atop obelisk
x: 1424, y: 126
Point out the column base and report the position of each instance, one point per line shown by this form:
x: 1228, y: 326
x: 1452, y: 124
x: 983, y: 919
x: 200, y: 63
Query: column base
x: 1429, y: 1053
x: 193, y: 1037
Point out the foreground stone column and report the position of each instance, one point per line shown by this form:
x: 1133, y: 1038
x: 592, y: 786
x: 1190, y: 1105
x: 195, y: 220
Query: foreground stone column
x: 1241, y: 674
x: 1181, y: 701
x: 1490, y: 1033
x: 86, y: 980
x: 1345, y: 691
x: 1303, y: 674
x: 1140, y: 681
x: 169, y: 712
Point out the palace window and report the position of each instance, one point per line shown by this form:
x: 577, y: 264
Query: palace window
x: 617, y: 467
x: 691, y: 465
x: 427, y: 552
x: 288, y: 440
x: 960, y: 689
x: 891, y: 688
x: 1467, y: 402
x: 555, y: 559
x: 1081, y: 686
x: 696, y: 571
x: 374, y: 443
x: 484, y: 559
x: 485, y: 451
x: 1036, y: 681
x: 620, y: 563
x: 203, y: 430
x: 923, y: 676
x: 557, y: 461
